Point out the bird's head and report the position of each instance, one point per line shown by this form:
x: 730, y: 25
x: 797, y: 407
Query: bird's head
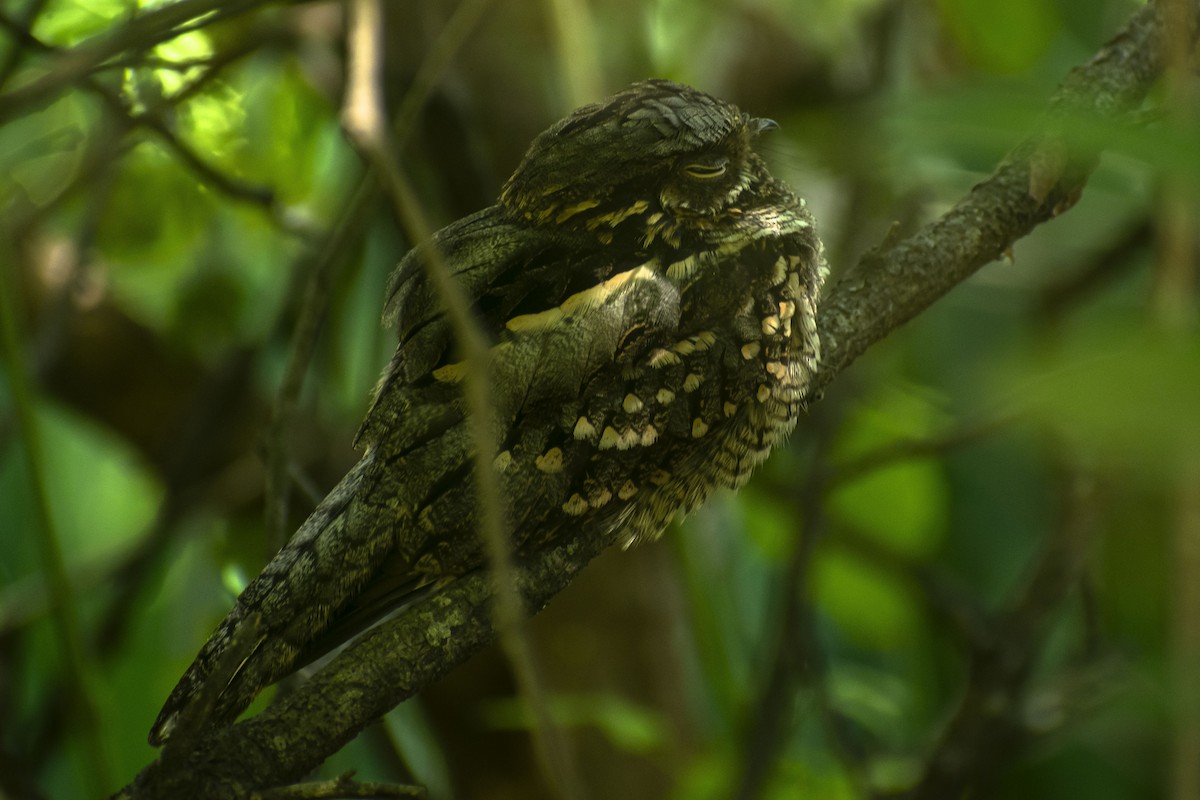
x: 659, y: 159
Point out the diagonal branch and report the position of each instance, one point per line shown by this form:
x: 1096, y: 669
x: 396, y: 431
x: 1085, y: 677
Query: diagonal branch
x: 140, y: 33
x: 892, y: 286
x: 985, y: 730
x: 399, y: 658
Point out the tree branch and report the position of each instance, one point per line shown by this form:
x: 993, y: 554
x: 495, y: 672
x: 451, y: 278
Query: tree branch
x: 141, y: 33
x: 891, y: 285
x: 987, y: 727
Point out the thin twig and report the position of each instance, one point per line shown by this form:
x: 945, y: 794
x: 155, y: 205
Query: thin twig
x: 339, y: 787
x: 433, y: 67
x: 142, y: 32
x: 890, y: 287
x: 66, y: 621
x: 912, y: 449
x: 1173, y: 310
x: 364, y: 120
x: 575, y: 49
x: 152, y: 120
x: 19, y: 28
x: 988, y: 725
x: 313, y: 306
x: 311, y: 312
x: 797, y: 651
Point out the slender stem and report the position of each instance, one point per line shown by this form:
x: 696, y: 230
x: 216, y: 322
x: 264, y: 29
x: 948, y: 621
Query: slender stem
x: 312, y: 310
x: 363, y: 118
x: 62, y: 606
x: 464, y: 20
x: 1174, y: 311
x: 141, y: 32
x: 576, y: 51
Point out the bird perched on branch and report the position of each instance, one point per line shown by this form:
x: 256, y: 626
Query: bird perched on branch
x: 650, y: 293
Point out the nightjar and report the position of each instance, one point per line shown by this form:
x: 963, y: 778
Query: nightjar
x: 650, y: 291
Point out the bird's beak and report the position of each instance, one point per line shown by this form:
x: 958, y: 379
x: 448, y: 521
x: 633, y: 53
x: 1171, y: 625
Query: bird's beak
x: 762, y: 125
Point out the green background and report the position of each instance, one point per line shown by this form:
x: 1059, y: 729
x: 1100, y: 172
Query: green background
x: 156, y: 256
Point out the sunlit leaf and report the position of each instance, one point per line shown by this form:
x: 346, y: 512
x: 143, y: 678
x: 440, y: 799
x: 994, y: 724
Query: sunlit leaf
x: 870, y: 606
x: 40, y: 154
x: 902, y: 504
x: 67, y: 23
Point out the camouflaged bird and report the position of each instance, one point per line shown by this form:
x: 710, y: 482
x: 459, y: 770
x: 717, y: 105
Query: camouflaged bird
x: 650, y: 293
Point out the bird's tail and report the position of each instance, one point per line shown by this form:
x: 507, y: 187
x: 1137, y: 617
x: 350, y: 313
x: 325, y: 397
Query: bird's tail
x: 289, y: 605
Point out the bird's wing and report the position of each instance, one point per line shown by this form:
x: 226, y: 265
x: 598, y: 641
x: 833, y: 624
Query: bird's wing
x: 405, y: 516
x: 532, y: 292
x: 328, y: 559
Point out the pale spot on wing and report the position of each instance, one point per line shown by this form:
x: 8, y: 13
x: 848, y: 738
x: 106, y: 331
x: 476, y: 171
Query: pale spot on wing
x: 610, y: 438
x: 779, y: 271
x: 615, y: 218
x: 576, y: 505
x: 649, y: 435
x: 550, y: 461
x: 542, y: 320
x: 661, y: 358
x: 683, y: 268
x: 794, y: 281
x: 579, y: 207
x: 451, y: 373
x: 580, y: 302
x: 584, y: 429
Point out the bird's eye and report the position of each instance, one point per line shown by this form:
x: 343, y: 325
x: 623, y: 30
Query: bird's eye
x: 707, y: 171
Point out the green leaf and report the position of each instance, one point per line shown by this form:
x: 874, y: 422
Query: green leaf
x: 903, y: 505
x: 627, y: 725
x: 101, y: 494
x: 870, y: 606
x: 64, y: 24
x: 771, y: 524
x: 413, y: 736
x: 1121, y: 392
x: 1003, y: 37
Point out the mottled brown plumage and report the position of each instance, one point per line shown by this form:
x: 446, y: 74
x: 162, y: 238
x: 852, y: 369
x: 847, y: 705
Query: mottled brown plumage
x: 650, y: 291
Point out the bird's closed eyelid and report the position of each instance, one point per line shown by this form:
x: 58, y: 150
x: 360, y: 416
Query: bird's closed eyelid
x: 706, y: 168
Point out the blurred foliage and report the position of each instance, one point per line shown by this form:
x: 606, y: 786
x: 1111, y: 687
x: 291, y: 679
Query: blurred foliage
x: 160, y: 216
